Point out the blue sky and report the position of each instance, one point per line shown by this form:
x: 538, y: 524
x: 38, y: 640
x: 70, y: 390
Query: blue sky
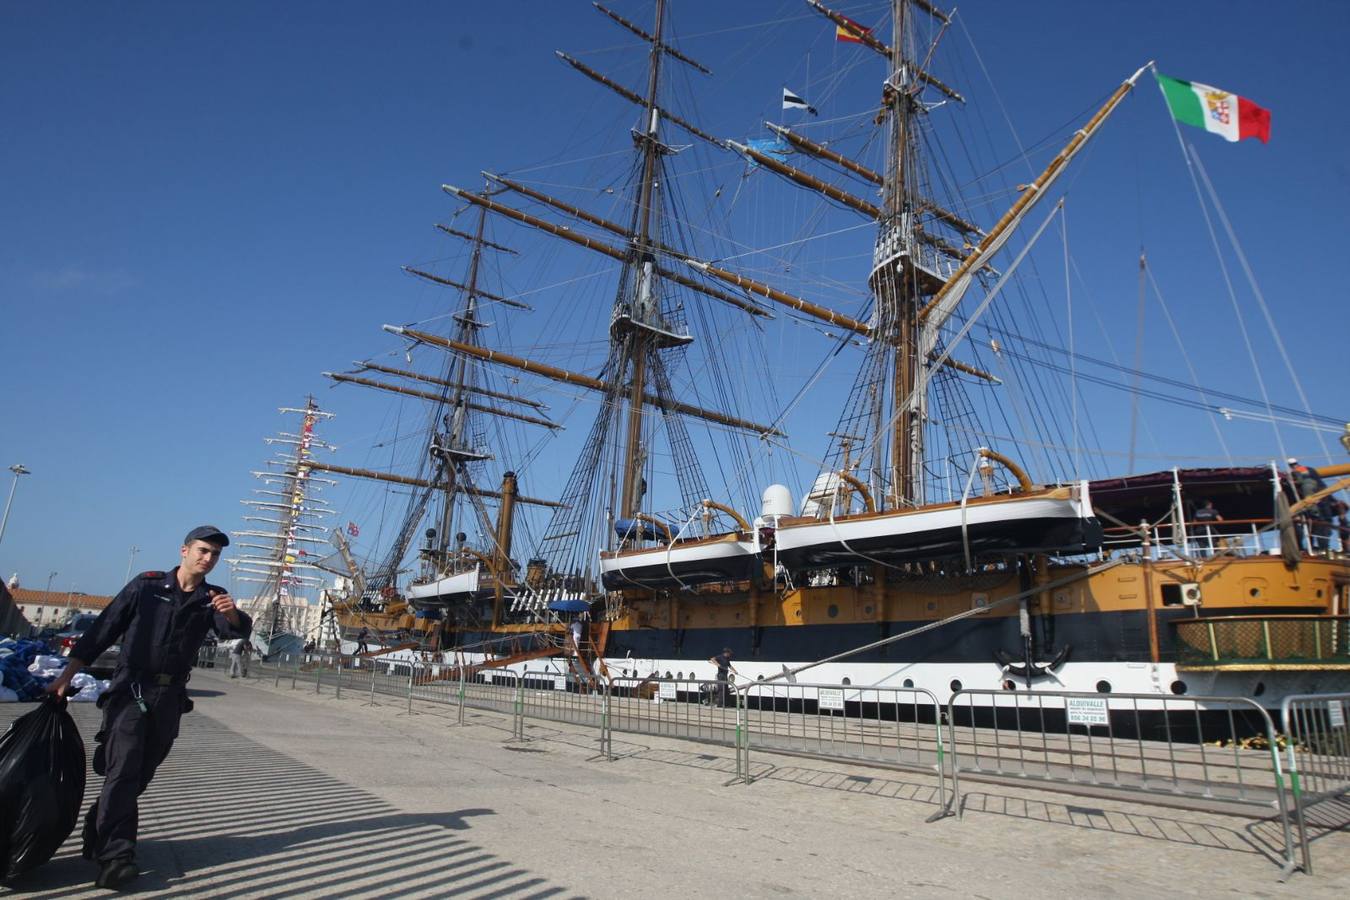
x: 208, y: 205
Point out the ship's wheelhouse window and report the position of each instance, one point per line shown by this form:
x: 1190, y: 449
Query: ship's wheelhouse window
x: 1103, y: 687
x: 1178, y: 687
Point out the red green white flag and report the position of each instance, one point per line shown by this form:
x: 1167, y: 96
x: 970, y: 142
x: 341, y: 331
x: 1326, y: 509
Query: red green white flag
x: 1219, y: 112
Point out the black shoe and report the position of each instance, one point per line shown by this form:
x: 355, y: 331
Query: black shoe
x: 90, y: 833
x: 116, y: 873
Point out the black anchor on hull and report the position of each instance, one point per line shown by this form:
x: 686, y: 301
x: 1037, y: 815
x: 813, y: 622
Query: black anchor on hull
x: 1028, y: 668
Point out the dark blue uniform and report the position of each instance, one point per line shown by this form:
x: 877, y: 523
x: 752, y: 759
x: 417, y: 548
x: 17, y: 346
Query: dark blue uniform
x: 160, y: 629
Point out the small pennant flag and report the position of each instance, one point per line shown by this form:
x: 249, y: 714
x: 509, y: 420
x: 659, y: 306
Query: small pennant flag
x: 852, y: 33
x: 352, y: 529
x: 1229, y: 116
x: 792, y: 101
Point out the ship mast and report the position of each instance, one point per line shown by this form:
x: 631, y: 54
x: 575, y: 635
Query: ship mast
x: 640, y: 342
x: 896, y: 305
x: 282, y: 567
x: 450, y: 465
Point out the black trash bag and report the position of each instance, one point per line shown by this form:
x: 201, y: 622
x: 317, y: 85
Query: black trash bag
x: 41, y: 787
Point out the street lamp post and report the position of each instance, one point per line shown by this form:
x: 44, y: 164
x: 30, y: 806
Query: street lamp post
x: 131, y: 559
x: 50, y: 579
x: 18, y: 470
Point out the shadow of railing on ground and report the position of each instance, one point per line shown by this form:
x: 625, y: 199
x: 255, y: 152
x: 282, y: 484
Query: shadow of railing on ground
x: 232, y: 817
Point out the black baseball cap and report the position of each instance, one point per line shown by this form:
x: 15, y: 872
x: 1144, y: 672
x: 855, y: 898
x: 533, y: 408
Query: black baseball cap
x: 209, y: 533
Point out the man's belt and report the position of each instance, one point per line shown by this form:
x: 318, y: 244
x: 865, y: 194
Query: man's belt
x: 160, y: 679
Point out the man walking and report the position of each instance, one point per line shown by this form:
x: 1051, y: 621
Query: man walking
x: 160, y: 619
x: 724, y: 672
x: 239, y: 655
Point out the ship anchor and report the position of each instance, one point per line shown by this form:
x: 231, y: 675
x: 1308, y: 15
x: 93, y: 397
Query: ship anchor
x: 1029, y: 668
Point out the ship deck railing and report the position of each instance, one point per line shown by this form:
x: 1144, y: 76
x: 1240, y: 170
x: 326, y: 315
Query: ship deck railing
x: 1263, y: 642
x: 1237, y: 538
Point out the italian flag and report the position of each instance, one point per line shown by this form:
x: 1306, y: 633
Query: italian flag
x: 1227, y: 115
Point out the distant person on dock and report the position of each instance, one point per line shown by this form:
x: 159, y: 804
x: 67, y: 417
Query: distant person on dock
x: 361, y: 647
x: 574, y: 632
x: 239, y: 655
x: 724, y: 672
x: 160, y: 619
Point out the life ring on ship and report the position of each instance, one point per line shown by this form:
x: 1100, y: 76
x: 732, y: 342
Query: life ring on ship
x: 1029, y: 668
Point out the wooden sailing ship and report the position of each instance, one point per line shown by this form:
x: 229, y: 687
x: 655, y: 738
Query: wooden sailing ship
x: 1107, y: 584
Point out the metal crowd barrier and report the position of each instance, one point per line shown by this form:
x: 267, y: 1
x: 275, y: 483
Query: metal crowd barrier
x: 1160, y: 745
x: 1319, y: 755
x: 1134, y: 745
x: 893, y: 726
x: 674, y: 707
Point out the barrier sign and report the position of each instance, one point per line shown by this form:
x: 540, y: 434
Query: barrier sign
x: 435, y: 671
x: 560, y: 682
x: 1336, y: 713
x: 831, y: 698
x: 1087, y: 711
x: 667, y: 690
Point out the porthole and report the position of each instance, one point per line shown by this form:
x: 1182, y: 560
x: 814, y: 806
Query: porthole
x: 1319, y: 592
x: 867, y: 610
x: 847, y: 680
x: 1103, y: 687
x: 1008, y: 685
x: 909, y: 683
x: 1259, y: 689
x: 680, y: 676
x: 832, y: 610
x: 1254, y: 593
x: 1178, y: 687
x: 955, y: 685
x: 760, y: 678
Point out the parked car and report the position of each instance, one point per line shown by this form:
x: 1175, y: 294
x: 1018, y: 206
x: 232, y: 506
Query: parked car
x: 63, y: 641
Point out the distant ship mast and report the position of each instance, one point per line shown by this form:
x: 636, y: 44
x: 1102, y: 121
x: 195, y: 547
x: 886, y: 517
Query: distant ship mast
x: 289, y: 506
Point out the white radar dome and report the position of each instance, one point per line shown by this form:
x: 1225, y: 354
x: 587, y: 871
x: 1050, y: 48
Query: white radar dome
x: 776, y: 501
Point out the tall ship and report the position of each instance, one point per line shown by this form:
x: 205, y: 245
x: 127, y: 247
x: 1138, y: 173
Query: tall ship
x: 827, y: 412
x: 283, y: 538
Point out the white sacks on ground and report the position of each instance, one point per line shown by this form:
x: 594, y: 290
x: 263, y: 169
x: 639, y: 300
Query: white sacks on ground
x: 44, y: 663
x: 90, y: 692
x: 82, y: 680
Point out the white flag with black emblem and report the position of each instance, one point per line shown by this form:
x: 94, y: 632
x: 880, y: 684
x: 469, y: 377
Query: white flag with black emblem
x: 792, y: 101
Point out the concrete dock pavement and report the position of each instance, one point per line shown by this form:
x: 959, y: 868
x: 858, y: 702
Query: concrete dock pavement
x: 274, y: 792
